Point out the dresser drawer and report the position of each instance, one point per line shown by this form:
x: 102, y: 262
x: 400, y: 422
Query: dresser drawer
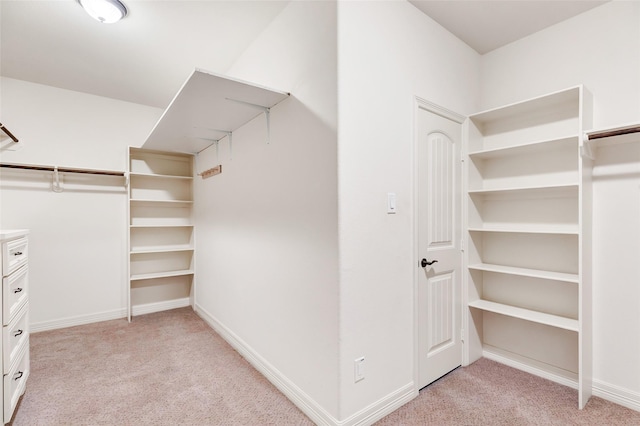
x: 15, y: 383
x: 14, y: 293
x: 14, y: 255
x: 14, y: 337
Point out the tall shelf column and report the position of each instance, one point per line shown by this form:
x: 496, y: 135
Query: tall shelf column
x: 161, y: 231
x: 528, y: 240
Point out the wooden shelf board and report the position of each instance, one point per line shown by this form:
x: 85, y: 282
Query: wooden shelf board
x: 563, y: 188
x: 526, y: 314
x: 529, y: 229
x: 161, y: 203
x: 155, y: 176
x: 528, y: 148
x: 163, y: 249
x: 525, y: 272
x: 160, y: 226
x: 138, y: 277
x: 528, y: 106
x: 205, y: 109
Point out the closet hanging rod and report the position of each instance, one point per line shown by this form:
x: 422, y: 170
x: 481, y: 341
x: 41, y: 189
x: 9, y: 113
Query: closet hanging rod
x: 8, y: 133
x: 62, y: 169
x: 613, y: 132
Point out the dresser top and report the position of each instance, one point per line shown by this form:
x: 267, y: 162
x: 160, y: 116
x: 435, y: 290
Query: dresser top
x: 6, y: 234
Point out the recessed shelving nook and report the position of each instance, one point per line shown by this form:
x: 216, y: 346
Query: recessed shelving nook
x: 528, y: 241
x: 161, y: 231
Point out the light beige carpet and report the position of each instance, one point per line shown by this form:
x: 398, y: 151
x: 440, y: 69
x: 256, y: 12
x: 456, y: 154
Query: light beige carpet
x: 171, y: 368
x: 166, y: 368
x: 489, y: 393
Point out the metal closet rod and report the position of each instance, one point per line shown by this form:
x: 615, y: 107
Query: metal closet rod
x: 62, y: 169
x: 617, y: 132
x: 8, y: 133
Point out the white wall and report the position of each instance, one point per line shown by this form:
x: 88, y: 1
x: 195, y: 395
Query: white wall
x: 389, y: 52
x: 600, y: 49
x: 77, y: 247
x: 266, y: 265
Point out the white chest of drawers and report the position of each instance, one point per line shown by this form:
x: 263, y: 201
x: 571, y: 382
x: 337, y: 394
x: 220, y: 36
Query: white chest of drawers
x: 14, y: 346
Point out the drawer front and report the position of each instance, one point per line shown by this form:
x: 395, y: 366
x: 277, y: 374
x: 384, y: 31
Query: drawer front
x: 14, y: 293
x: 14, y: 337
x: 14, y: 255
x: 15, y: 384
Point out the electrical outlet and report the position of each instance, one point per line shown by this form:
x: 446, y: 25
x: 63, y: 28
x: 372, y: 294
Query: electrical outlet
x: 358, y: 369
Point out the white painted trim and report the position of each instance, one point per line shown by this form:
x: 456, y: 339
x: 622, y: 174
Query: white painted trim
x: 437, y: 109
x: 303, y: 401
x: 296, y: 395
x: 382, y: 407
x: 149, y: 308
x: 616, y: 394
x: 417, y: 104
x: 108, y: 315
x: 528, y: 368
x: 78, y: 320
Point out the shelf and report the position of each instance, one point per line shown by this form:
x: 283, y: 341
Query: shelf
x: 526, y: 314
x: 558, y: 189
x: 159, y: 249
x: 161, y: 203
x: 161, y: 232
x: 525, y: 272
x: 167, y: 274
x: 526, y: 254
x: 528, y: 107
x: 529, y: 229
x: 157, y: 176
x: 570, y: 141
x: 206, y: 108
x: 159, y: 226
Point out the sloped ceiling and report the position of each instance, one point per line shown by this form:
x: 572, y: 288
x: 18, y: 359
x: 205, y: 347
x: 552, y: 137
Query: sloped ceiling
x: 146, y: 57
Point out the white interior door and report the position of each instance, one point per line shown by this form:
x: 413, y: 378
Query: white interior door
x: 439, y: 235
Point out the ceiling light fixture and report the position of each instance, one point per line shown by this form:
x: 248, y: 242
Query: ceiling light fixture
x: 105, y: 11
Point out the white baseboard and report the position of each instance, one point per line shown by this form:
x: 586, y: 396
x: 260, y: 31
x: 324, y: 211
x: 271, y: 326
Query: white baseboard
x: 78, y: 320
x: 617, y: 395
x: 149, y: 308
x: 529, y: 367
x: 296, y: 395
x: 612, y: 393
x: 108, y: 315
x: 308, y: 406
x: 382, y: 407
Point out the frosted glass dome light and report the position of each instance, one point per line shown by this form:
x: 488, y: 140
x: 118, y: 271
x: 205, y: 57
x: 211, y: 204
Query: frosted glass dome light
x: 105, y: 11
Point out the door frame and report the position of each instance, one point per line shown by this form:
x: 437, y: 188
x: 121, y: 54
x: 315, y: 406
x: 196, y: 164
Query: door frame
x: 422, y: 104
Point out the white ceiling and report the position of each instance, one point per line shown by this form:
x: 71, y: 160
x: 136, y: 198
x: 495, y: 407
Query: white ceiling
x: 488, y: 25
x: 146, y: 57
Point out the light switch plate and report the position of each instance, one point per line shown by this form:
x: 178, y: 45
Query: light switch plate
x: 391, y: 203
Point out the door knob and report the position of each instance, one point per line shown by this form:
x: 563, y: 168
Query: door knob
x: 425, y: 262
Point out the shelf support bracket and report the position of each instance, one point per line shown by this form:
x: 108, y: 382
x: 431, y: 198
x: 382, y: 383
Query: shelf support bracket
x: 266, y: 110
x: 586, y: 150
x: 215, y: 142
x: 55, y: 183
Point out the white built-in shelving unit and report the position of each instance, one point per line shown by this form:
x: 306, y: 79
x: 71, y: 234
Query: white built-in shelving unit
x: 161, y: 230
x: 527, y: 249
